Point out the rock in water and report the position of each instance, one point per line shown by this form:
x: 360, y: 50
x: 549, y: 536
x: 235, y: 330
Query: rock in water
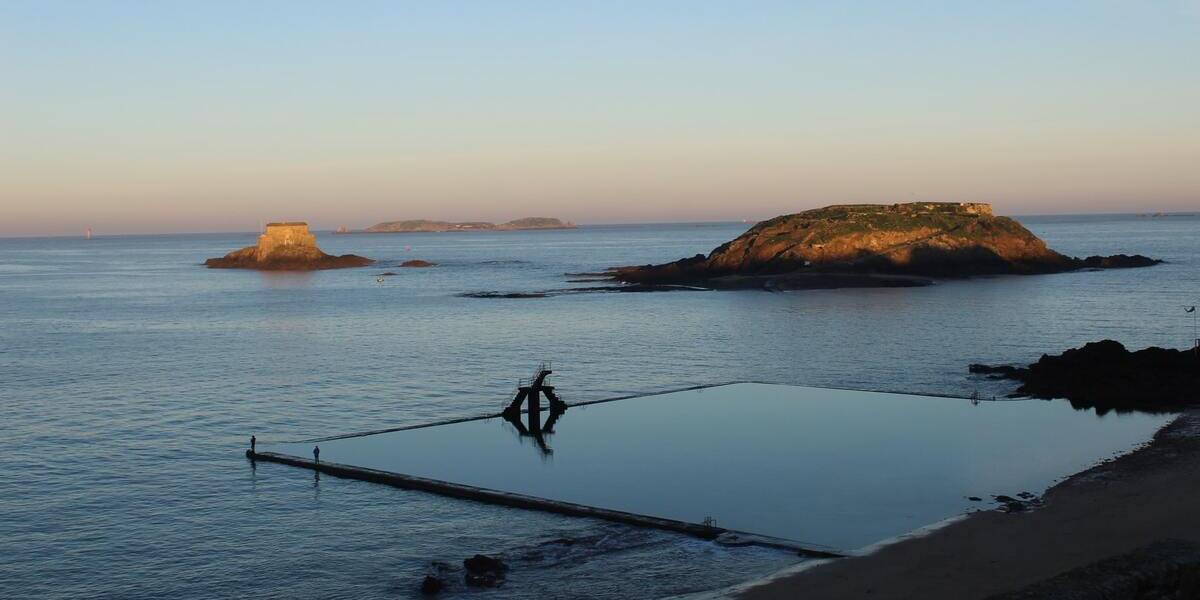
x: 285, y: 247
x: 1120, y: 261
x: 1104, y: 375
x: 926, y: 239
x: 417, y: 264
x: 484, y: 571
x: 481, y: 563
x: 432, y: 585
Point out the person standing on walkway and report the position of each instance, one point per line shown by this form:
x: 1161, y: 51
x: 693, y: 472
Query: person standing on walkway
x: 253, y: 440
x: 316, y: 454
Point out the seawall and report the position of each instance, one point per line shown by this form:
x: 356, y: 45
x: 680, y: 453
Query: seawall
x: 468, y: 492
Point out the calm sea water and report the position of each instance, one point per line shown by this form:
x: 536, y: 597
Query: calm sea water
x: 838, y: 469
x: 132, y: 377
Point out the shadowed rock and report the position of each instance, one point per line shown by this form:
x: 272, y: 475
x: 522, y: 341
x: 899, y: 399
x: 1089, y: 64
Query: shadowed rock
x: 417, y: 264
x: 432, y: 585
x: 1120, y: 261
x: 869, y: 245
x: 285, y: 247
x: 1104, y: 375
x: 484, y: 571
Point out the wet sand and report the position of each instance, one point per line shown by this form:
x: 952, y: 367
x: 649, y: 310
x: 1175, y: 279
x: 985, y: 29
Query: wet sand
x: 1150, y: 494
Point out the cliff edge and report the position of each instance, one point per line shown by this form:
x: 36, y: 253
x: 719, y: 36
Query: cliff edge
x: 872, y: 244
x: 285, y: 247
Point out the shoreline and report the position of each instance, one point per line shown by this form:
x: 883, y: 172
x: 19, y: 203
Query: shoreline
x: 1110, y: 509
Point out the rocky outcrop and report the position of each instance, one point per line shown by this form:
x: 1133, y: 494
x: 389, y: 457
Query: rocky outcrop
x: 1119, y: 261
x: 888, y: 244
x: 285, y: 247
x: 431, y: 585
x: 417, y: 264
x: 422, y: 225
x: 484, y: 571
x: 1104, y: 375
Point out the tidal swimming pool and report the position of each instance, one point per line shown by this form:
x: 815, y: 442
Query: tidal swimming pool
x: 839, y: 468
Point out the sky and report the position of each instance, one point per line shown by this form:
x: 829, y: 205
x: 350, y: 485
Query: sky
x: 165, y: 116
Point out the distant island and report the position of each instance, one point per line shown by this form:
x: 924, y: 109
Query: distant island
x: 285, y: 247
x: 422, y: 225
x: 871, y: 245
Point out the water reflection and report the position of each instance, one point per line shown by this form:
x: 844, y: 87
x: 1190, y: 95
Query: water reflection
x: 536, y: 429
x: 285, y: 279
x: 531, y: 394
x: 1086, y: 405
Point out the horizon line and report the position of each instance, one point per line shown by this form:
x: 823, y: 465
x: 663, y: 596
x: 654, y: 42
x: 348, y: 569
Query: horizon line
x: 577, y: 224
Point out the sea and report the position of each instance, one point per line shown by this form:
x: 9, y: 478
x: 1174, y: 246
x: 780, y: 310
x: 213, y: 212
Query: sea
x: 131, y: 379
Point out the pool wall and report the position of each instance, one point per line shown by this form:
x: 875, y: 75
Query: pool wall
x: 514, y: 500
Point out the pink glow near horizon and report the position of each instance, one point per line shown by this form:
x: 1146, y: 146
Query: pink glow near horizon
x: 135, y: 118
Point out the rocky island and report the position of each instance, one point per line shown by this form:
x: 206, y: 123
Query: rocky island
x: 422, y: 225
x: 871, y: 245
x: 285, y: 247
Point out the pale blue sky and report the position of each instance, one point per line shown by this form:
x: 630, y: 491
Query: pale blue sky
x: 202, y: 116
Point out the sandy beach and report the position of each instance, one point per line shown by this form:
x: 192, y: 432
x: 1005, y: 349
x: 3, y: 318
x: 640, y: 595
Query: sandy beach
x: 1147, y: 495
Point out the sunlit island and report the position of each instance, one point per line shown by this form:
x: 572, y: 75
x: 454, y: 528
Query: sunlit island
x: 871, y: 245
x: 285, y: 247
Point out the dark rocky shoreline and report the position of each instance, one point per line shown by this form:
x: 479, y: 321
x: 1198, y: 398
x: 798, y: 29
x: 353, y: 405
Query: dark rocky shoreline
x: 1106, y: 376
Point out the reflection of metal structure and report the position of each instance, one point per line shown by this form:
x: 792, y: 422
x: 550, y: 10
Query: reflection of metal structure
x: 529, y: 392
